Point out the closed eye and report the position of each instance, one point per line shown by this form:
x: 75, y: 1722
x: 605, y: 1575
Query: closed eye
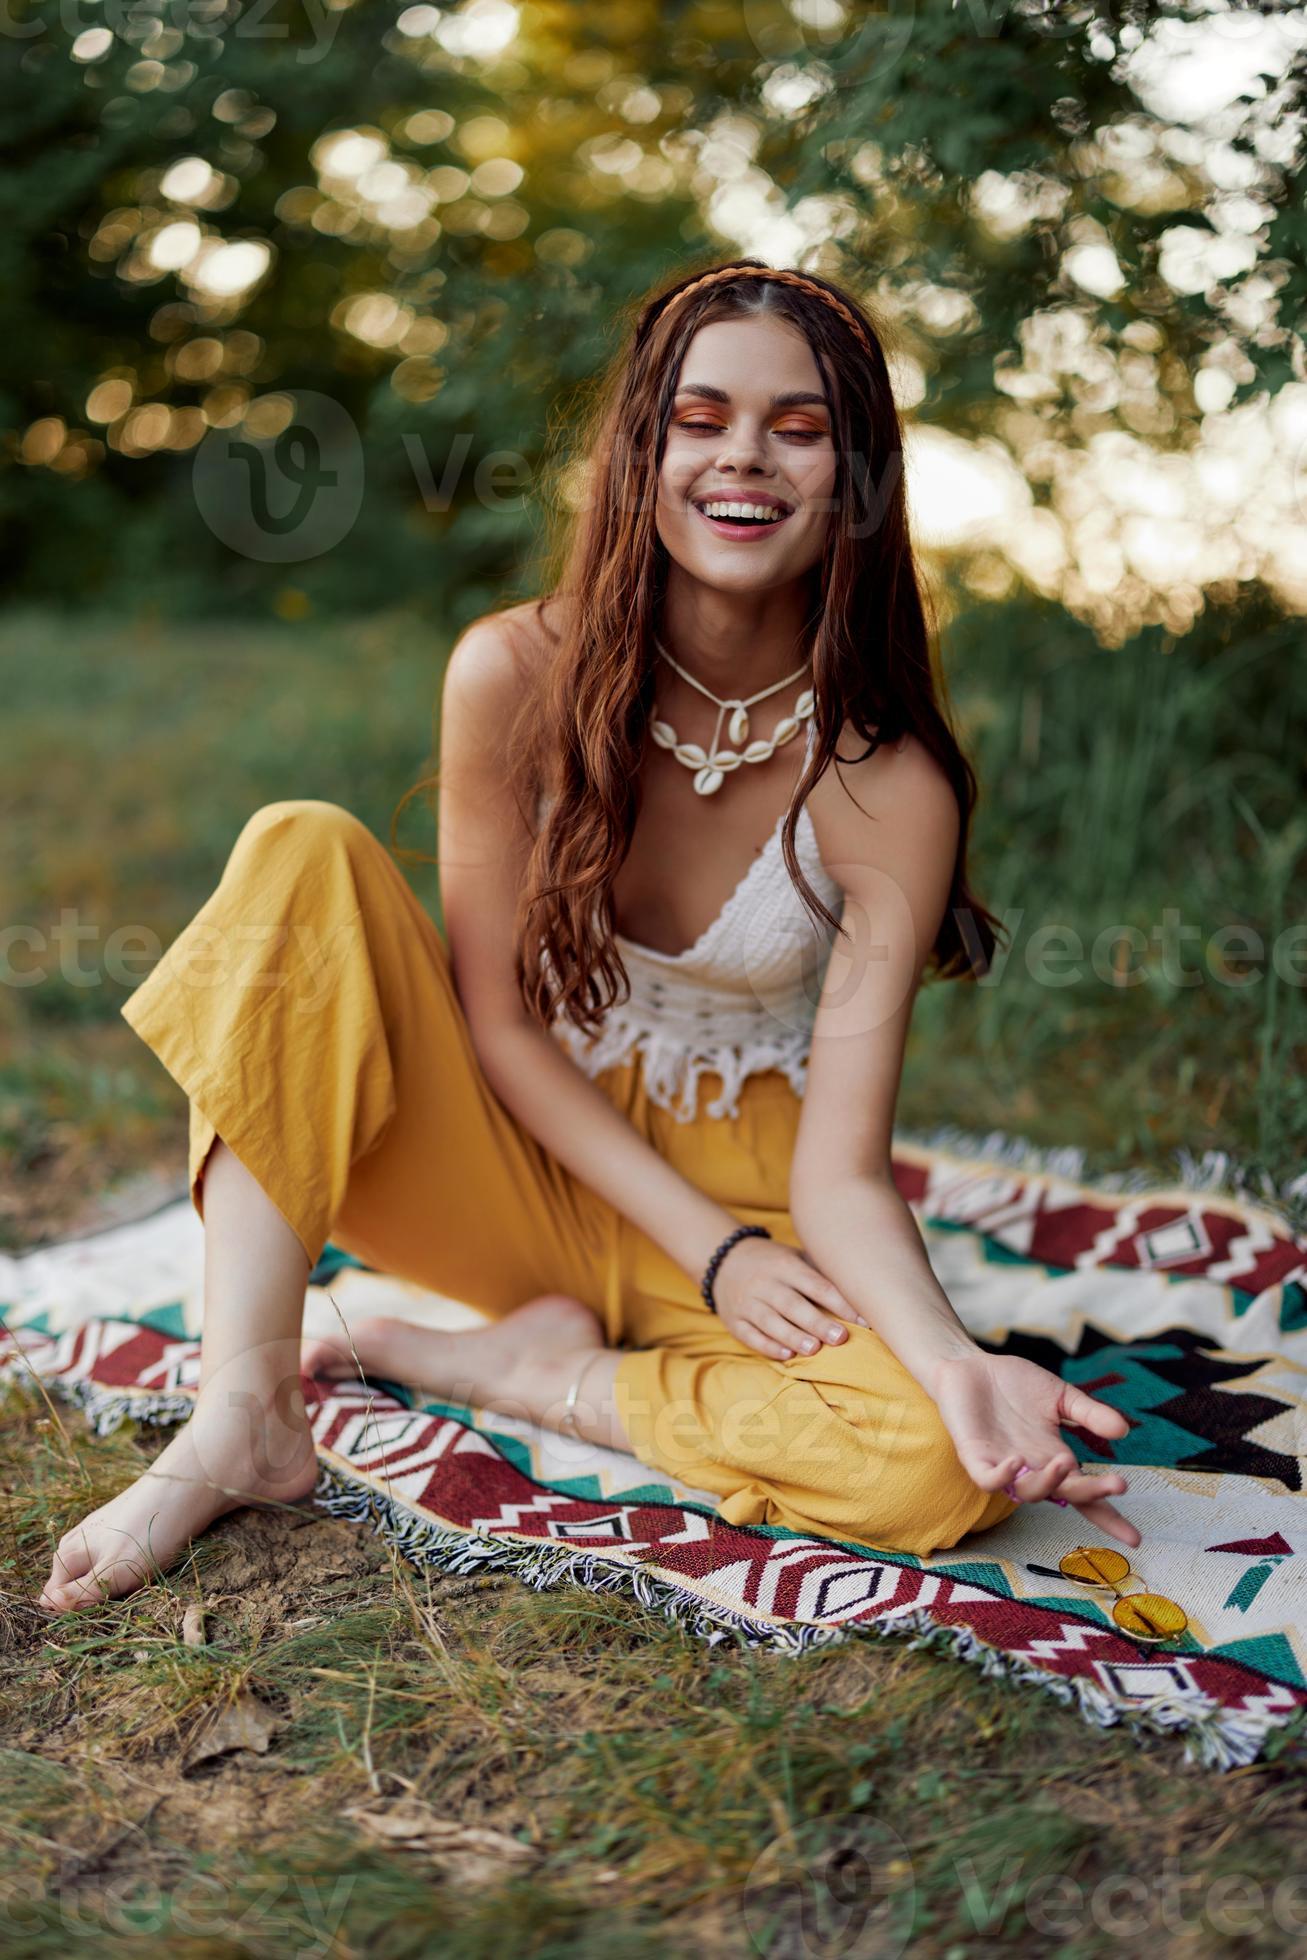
x: 715, y: 429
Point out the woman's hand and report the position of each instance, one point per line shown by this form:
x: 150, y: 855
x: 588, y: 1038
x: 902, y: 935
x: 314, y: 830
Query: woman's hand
x: 773, y: 1299
x: 1002, y: 1412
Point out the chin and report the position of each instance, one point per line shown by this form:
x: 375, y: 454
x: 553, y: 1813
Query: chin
x: 725, y: 571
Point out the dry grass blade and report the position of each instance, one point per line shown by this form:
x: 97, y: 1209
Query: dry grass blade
x: 469, y: 1854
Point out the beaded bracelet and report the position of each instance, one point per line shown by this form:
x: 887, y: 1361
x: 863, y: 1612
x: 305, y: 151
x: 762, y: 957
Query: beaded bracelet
x: 710, y: 1272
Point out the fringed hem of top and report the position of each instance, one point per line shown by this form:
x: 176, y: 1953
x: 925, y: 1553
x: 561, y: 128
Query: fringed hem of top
x: 671, y: 1070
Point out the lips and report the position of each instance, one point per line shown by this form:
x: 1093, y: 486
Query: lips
x: 743, y: 528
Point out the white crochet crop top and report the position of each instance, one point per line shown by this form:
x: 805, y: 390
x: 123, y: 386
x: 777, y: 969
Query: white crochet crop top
x: 742, y: 999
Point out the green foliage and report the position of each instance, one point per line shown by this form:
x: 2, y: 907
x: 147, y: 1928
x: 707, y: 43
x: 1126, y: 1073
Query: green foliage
x: 617, y: 112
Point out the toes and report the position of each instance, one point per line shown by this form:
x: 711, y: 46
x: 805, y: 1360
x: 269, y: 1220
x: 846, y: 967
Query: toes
x: 92, y: 1563
x: 67, y: 1596
x: 324, y: 1360
x: 71, y: 1582
x: 73, y: 1558
x: 92, y: 1588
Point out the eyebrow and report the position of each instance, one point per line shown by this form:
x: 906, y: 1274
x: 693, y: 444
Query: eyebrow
x: 795, y: 398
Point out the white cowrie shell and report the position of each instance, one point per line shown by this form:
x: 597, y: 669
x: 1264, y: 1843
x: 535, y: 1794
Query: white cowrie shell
x: 738, y: 728
x: 708, y: 780
x: 691, y: 754
x: 663, y: 733
x: 806, y: 702
x: 758, y: 751
x: 785, y: 730
x: 726, y: 759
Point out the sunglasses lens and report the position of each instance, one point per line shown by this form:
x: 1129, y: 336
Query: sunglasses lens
x: 1095, y: 1565
x: 1147, y: 1616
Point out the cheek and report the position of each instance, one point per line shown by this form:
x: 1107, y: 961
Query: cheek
x: 815, y: 477
x: 675, y: 478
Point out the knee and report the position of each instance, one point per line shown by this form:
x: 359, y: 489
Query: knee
x: 932, y: 1501
x: 939, y: 1504
x: 305, y: 825
x: 885, y: 1472
x: 296, y: 839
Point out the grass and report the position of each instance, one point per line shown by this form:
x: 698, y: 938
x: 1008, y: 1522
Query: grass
x: 130, y: 756
x: 1154, y: 789
x: 665, y: 1796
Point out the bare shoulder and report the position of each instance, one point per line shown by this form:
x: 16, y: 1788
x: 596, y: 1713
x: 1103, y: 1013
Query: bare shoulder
x: 897, y: 801
x: 492, y: 659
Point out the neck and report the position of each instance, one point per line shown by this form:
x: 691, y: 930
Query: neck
x: 735, y: 643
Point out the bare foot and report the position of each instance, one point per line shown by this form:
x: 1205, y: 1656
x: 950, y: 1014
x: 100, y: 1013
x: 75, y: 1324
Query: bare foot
x: 527, y: 1361
x: 238, y: 1448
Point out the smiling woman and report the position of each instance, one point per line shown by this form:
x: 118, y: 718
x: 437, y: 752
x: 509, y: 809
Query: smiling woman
x: 734, y: 1290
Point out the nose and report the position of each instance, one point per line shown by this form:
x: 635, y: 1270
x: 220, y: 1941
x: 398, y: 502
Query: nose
x: 742, y: 449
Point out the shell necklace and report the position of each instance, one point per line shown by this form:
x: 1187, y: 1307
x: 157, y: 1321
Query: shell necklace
x: 712, y: 765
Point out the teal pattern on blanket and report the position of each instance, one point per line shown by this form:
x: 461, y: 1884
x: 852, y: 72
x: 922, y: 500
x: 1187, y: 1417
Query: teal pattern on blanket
x: 1178, y: 1395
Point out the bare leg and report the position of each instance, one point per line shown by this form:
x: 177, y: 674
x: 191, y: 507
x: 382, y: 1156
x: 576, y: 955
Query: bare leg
x: 524, y: 1365
x: 248, y: 1437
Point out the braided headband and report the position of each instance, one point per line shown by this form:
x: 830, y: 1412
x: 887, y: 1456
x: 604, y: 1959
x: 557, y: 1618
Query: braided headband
x: 785, y: 278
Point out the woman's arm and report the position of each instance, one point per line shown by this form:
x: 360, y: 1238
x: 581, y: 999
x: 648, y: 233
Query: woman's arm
x: 894, y: 857
x: 484, y: 844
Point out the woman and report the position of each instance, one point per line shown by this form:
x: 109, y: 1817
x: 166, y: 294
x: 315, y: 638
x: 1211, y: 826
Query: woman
x: 639, y: 1112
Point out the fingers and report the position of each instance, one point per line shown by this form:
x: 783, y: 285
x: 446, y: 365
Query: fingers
x: 1106, y: 1517
x: 1043, y: 1481
x: 1087, y: 1492
x: 766, y: 1334
x: 807, y: 1326
x: 825, y: 1293
x: 985, y: 1469
x: 1083, y: 1487
x: 1061, y: 1476
x: 786, y: 1324
x: 1088, y: 1413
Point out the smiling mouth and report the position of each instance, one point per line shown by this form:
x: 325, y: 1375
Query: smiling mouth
x: 740, y: 516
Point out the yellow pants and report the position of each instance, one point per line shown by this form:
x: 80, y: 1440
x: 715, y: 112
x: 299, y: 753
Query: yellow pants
x: 309, y: 1013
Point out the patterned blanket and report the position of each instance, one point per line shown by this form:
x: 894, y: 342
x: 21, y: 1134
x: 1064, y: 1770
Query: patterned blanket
x: 1185, y: 1307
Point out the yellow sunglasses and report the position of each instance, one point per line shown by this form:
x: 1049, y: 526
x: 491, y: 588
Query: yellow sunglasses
x: 1143, y: 1615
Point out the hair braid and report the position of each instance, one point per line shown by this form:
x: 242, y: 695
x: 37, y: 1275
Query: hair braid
x: 785, y: 277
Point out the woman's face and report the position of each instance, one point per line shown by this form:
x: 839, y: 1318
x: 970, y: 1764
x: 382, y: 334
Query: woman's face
x: 751, y: 424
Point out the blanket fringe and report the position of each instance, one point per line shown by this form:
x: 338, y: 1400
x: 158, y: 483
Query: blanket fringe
x: 1217, y: 1172
x: 1214, y: 1737
x: 105, y: 1408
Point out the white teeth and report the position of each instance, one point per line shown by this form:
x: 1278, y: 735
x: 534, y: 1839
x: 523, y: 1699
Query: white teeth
x: 741, y: 510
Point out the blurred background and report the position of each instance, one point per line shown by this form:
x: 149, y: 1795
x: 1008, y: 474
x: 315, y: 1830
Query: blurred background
x: 299, y: 302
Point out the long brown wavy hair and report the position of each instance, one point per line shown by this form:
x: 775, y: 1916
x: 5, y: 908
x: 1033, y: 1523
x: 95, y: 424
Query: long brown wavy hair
x: 580, y: 730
